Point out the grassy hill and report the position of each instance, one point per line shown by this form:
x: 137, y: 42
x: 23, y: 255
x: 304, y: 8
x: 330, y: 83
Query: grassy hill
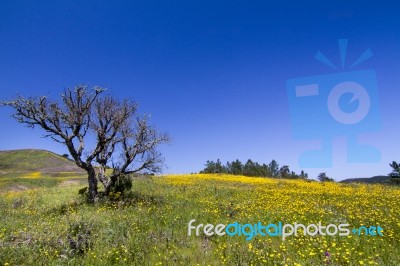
x: 45, y: 226
x: 22, y: 169
x: 52, y: 225
x: 31, y: 160
x: 379, y: 179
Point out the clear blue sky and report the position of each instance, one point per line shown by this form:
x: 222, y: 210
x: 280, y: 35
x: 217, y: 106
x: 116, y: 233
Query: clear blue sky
x: 212, y: 73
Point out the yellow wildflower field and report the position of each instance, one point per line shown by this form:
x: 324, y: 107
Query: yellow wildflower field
x: 38, y: 226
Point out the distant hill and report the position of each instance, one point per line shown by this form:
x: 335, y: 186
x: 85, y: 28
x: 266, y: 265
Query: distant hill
x: 379, y: 179
x: 36, y: 162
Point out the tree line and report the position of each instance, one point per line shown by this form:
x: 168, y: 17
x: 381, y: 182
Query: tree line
x: 272, y: 170
x: 253, y: 169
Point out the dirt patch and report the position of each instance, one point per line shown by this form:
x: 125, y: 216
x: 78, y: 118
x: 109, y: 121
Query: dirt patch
x: 17, y: 188
x: 69, y: 183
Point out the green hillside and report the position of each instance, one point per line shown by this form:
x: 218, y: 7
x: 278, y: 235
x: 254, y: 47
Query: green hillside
x: 31, y: 160
x: 380, y: 179
x: 22, y: 169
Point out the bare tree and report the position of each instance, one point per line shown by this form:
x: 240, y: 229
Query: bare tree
x: 123, y: 139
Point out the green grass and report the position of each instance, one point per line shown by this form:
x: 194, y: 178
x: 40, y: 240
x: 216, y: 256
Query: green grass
x: 20, y: 183
x: 38, y: 226
x: 30, y: 160
x: 30, y: 168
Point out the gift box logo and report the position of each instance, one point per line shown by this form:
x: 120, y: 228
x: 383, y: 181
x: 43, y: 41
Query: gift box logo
x: 338, y: 104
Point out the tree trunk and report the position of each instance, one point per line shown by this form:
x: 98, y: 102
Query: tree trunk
x: 102, y: 176
x: 111, y: 183
x: 92, y: 180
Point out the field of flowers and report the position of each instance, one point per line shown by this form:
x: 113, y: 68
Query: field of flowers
x: 53, y: 226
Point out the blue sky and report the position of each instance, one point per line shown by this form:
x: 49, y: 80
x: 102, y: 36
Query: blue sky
x: 211, y: 73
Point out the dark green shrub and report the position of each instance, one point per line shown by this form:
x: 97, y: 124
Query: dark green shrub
x: 82, y: 191
x: 122, y: 185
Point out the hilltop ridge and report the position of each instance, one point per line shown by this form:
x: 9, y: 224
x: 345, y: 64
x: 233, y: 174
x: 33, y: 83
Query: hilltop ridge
x: 26, y: 161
